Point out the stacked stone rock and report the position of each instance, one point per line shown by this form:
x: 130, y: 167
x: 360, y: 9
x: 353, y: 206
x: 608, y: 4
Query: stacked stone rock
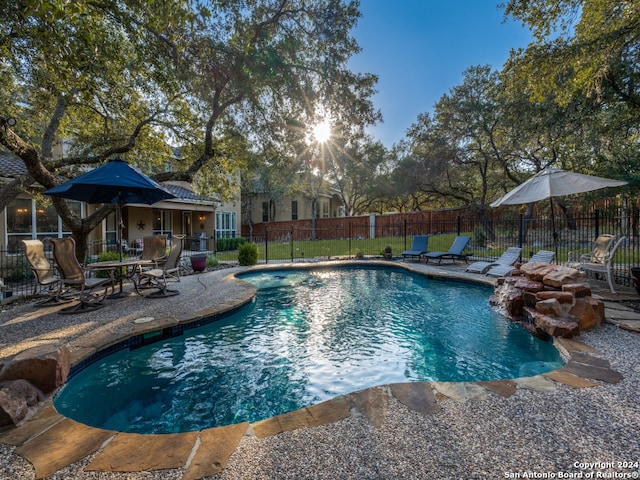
x: 549, y: 299
x: 29, y: 378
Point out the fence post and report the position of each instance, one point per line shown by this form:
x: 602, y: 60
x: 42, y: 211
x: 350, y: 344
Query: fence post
x: 349, y: 239
x: 291, y: 241
x: 597, y: 219
x: 266, y: 244
x: 459, y: 225
x: 520, y: 230
x: 404, y: 234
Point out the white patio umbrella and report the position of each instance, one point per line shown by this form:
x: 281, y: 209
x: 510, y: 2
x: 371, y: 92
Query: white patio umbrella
x: 550, y: 183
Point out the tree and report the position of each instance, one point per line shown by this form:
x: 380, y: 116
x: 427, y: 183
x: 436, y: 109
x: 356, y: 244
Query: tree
x: 455, y: 154
x: 588, y: 46
x: 222, y: 80
x: 351, y: 165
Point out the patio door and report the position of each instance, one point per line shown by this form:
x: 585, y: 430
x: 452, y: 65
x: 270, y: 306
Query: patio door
x: 186, y: 224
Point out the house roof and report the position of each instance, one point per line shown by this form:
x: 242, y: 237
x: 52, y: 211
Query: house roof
x: 11, y: 166
x: 185, y: 193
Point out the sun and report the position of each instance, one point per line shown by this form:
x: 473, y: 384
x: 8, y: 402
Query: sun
x: 322, y: 131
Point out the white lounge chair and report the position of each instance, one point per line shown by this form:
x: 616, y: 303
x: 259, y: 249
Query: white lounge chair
x: 545, y: 256
x: 508, y: 258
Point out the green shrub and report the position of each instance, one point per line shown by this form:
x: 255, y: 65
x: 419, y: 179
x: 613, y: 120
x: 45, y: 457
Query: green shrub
x: 212, y: 261
x: 479, y: 236
x: 19, y: 270
x: 108, y: 257
x: 224, y: 244
x: 248, y: 254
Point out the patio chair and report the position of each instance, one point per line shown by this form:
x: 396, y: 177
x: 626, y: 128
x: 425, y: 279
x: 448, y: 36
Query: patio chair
x: 154, y: 248
x: 418, y: 247
x: 604, y: 264
x: 544, y: 256
x: 454, y: 253
x: 159, y: 278
x: 598, y: 253
x: 508, y: 257
x: 47, y: 282
x: 72, y: 276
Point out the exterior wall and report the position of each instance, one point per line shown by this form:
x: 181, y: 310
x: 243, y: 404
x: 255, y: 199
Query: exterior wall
x: 328, y: 208
x: 234, y: 206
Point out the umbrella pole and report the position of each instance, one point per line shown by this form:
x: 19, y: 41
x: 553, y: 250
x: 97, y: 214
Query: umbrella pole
x: 553, y: 227
x: 119, y: 246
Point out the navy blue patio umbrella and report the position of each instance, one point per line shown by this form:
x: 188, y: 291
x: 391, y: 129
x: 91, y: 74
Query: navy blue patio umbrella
x: 114, y: 182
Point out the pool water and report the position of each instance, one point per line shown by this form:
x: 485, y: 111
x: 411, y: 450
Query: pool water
x: 309, y: 336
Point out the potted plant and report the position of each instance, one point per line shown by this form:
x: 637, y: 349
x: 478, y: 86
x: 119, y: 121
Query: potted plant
x: 198, y: 262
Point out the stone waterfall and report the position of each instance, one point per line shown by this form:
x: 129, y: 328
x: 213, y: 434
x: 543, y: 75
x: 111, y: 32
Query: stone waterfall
x: 549, y: 300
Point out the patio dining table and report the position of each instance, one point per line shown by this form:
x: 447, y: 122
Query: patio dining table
x: 128, y: 268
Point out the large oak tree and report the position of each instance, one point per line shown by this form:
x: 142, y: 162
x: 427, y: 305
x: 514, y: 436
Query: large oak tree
x: 222, y: 80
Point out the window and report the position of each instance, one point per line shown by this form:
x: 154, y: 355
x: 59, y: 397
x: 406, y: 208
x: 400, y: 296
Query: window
x: 27, y: 219
x: 265, y: 211
x: 111, y: 232
x: 226, y: 224
x: 325, y: 209
x: 162, y: 222
x: 294, y: 210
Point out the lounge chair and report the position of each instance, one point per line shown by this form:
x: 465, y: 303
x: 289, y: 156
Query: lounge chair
x: 158, y: 278
x: 43, y: 271
x: 72, y: 276
x: 454, y: 253
x: 545, y: 256
x: 508, y: 257
x: 418, y: 247
x: 604, y: 264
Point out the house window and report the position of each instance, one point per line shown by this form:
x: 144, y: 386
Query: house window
x: 111, y: 233
x: 27, y: 219
x: 294, y: 210
x: 162, y: 222
x: 225, y: 224
x: 265, y: 211
x: 325, y: 210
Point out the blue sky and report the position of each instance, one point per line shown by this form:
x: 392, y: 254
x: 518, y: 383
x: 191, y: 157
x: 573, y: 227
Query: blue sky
x: 420, y: 48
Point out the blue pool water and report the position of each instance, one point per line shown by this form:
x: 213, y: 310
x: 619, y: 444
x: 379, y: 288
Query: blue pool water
x: 309, y: 336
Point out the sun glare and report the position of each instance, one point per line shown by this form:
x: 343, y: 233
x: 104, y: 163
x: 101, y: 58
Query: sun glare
x: 322, y: 132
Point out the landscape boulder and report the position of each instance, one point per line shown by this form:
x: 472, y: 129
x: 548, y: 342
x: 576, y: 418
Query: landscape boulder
x: 16, y: 399
x: 44, y: 367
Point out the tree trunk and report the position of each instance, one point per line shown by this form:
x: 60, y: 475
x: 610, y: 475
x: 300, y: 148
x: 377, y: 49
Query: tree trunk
x: 568, y: 215
x: 313, y: 219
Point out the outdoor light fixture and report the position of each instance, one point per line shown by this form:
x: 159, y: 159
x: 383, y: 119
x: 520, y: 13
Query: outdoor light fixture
x: 10, y: 121
x: 201, y: 217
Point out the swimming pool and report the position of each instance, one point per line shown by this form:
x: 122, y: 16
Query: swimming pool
x: 310, y: 335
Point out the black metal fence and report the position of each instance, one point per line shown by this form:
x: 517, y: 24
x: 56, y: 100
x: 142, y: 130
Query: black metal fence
x: 489, y: 238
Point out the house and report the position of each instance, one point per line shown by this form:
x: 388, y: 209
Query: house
x: 199, y: 218
x: 262, y: 207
